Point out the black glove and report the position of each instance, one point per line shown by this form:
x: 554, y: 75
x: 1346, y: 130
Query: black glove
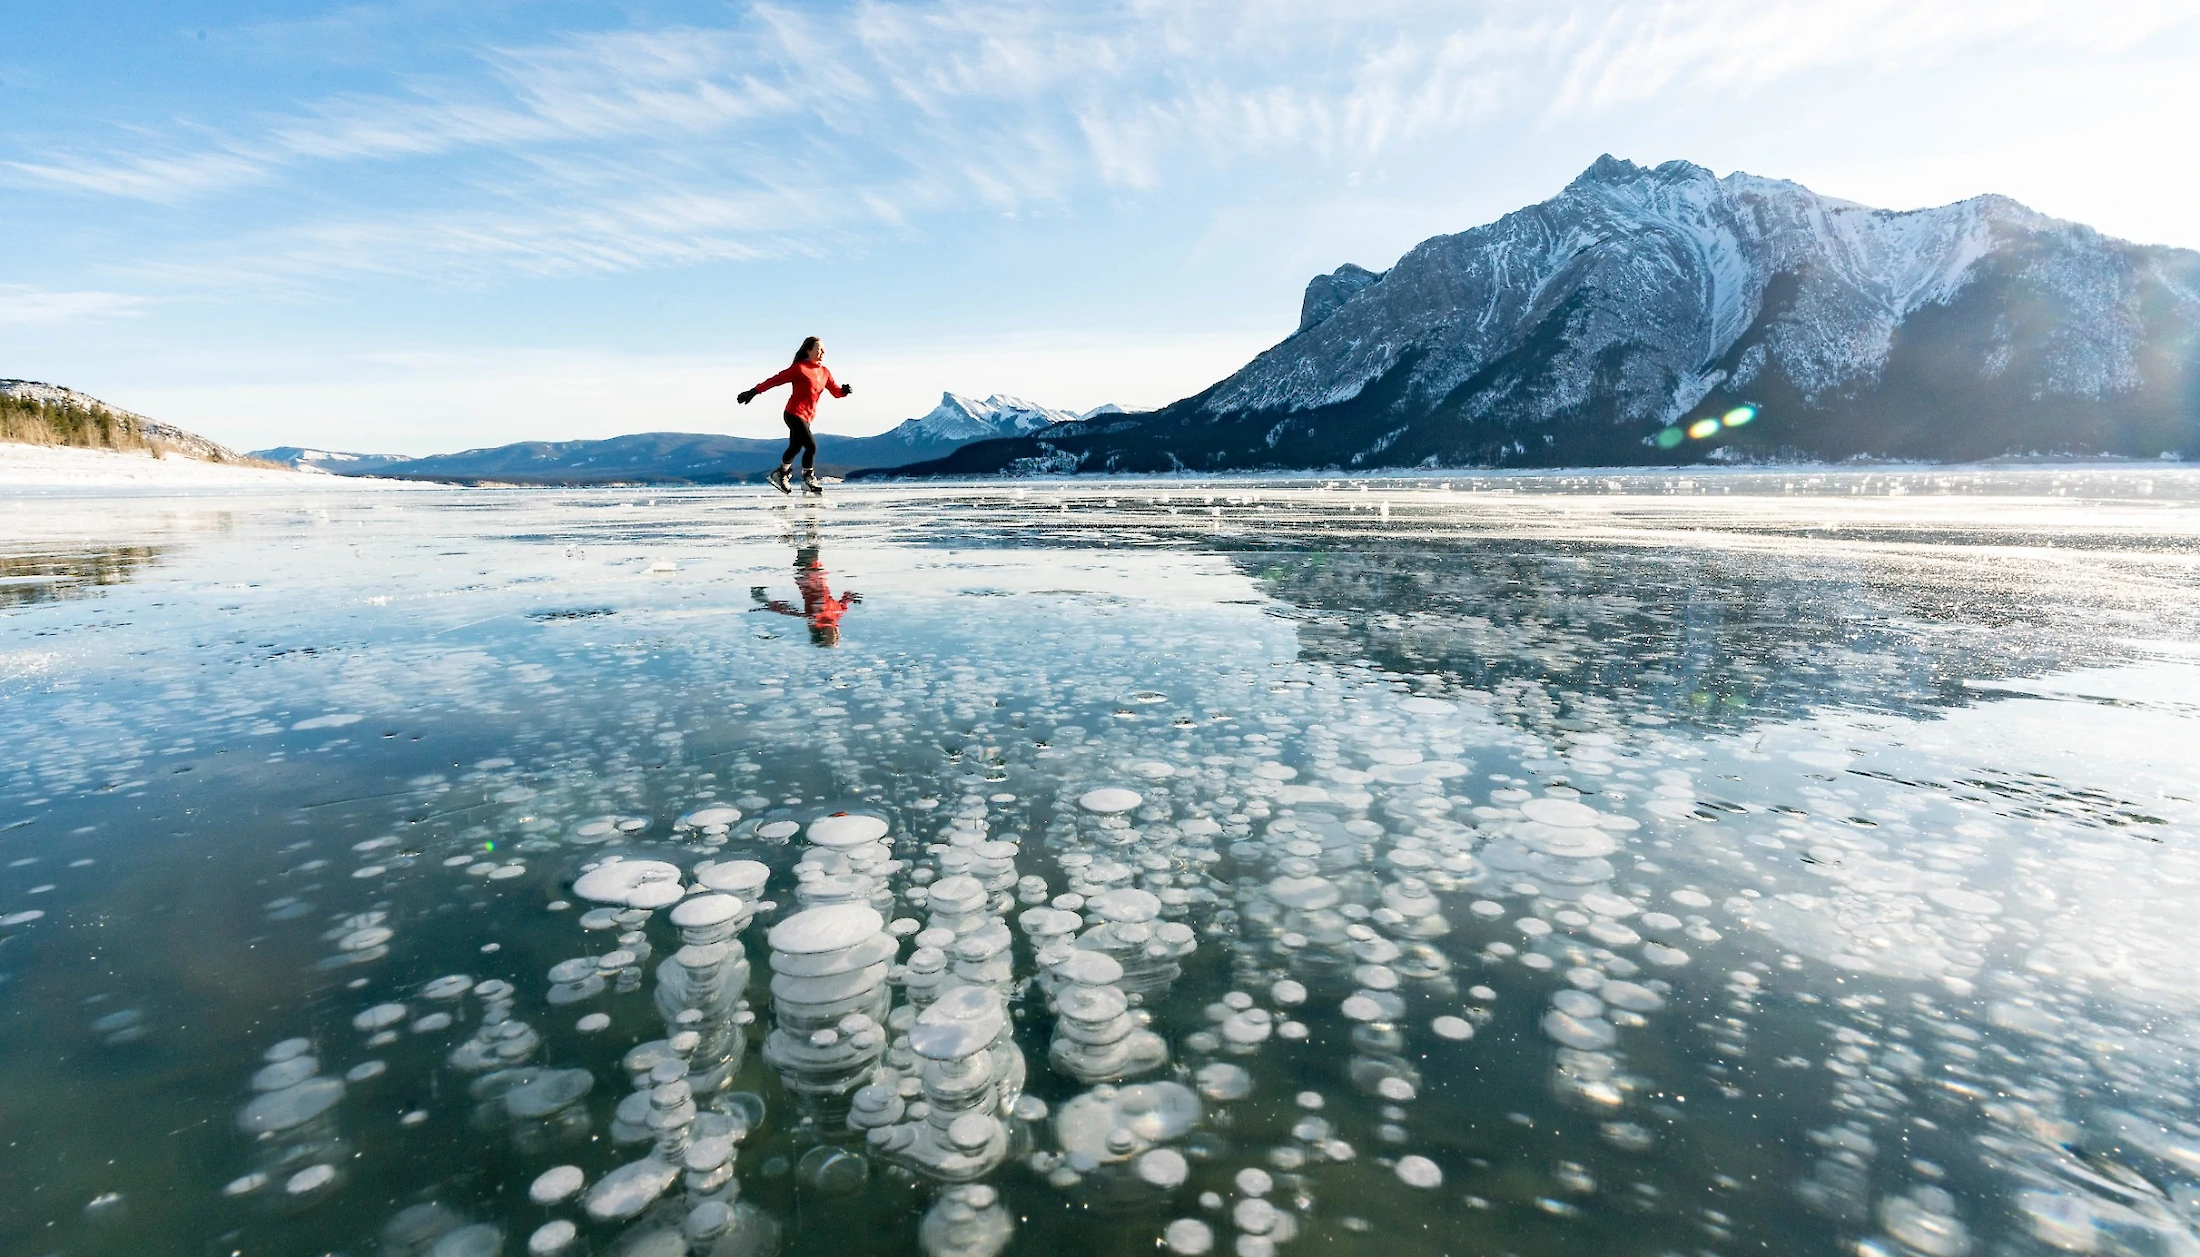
x: 746, y: 396
x: 846, y: 389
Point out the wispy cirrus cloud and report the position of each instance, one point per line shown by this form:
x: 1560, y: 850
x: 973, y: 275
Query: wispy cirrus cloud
x: 636, y: 148
x: 22, y: 305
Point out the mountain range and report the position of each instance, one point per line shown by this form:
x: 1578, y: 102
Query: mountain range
x: 698, y: 458
x: 1665, y: 315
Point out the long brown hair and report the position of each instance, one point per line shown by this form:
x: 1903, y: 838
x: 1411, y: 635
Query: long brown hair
x: 808, y: 343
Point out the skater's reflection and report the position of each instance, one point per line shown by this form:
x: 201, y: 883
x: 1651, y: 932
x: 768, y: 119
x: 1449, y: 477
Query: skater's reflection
x: 819, y: 607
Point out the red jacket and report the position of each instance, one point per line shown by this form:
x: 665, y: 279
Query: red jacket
x: 810, y: 380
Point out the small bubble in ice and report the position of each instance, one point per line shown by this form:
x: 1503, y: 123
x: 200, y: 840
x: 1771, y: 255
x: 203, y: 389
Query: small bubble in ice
x: 1109, y: 800
x: 1254, y: 1181
x: 312, y: 1178
x: 1418, y: 1171
x: 379, y: 1017
x: 1164, y: 1168
x: 593, y: 1022
x: 555, y: 1184
x: 552, y: 1238
x: 1189, y: 1237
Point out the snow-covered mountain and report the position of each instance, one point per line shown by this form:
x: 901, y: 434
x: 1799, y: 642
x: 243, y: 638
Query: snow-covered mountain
x: 1614, y: 322
x: 336, y: 462
x: 961, y: 419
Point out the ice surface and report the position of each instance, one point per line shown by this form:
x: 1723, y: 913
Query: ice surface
x: 1857, y: 818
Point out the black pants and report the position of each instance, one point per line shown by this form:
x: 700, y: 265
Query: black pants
x: 799, y: 438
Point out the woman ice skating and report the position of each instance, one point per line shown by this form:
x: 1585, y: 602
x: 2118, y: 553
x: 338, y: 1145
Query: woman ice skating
x: 810, y: 381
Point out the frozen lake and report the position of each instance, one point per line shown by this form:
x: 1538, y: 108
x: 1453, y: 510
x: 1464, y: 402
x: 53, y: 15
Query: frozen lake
x: 1635, y: 863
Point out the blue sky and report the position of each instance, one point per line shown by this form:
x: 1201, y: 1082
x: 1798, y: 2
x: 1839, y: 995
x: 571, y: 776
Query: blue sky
x: 426, y: 226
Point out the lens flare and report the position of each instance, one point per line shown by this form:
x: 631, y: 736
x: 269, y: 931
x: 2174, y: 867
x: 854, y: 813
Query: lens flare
x: 1670, y: 438
x: 1703, y: 428
x: 1738, y: 416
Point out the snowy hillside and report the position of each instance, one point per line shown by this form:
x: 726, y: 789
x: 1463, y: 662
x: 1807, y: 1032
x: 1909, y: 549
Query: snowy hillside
x: 166, y: 437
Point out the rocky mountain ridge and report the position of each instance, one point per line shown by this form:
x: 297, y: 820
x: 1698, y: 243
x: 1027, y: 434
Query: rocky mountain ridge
x: 1612, y: 323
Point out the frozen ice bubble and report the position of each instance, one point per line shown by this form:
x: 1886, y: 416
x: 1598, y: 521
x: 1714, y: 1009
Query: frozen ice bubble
x: 1457, y: 1029
x: 826, y: 929
x: 1109, y: 800
x: 776, y: 830
x: 1164, y: 1168
x: 1189, y: 1237
x: 1418, y: 1171
x: 1633, y: 997
x: 958, y: 1024
x: 288, y: 1072
x: 379, y: 1017
x: 1422, y: 705
x: 838, y: 832
x: 310, y: 1179
x: 449, y: 987
x: 1254, y: 1216
x: 654, y: 895
x: 1583, y: 1034
x: 617, y: 881
x: 1089, y: 968
x: 714, y: 816
x: 1288, y: 993
x: 1564, y: 813
x: 288, y: 1049
x: 290, y: 1107
x: 552, y: 1238
x: 1305, y: 893
x: 1223, y: 1082
x: 593, y: 1022
x: 1577, y: 1003
x: 555, y: 1184
x: 365, y: 1071
x: 548, y: 1092
x: 702, y: 911
x: 1126, y: 904
x: 742, y: 878
x: 629, y: 1189
x: 1254, y: 1181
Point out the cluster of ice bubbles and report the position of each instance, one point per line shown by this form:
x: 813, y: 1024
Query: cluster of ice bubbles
x: 1331, y: 890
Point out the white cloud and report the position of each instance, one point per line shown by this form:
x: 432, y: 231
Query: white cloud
x: 872, y: 118
x: 21, y: 305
